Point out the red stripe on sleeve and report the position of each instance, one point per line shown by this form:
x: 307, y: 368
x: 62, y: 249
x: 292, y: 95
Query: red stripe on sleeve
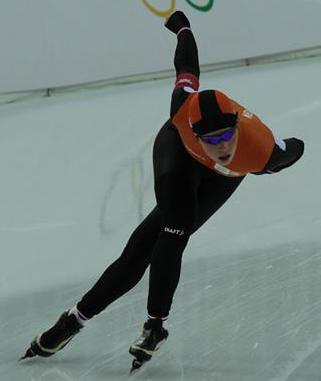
x: 187, y: 80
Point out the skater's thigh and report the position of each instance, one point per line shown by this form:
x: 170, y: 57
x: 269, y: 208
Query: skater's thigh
x: 213, y: 192
x: 143, y: 238
x: 176, y: 179
x: 169, y: 153
x: 176, y: 196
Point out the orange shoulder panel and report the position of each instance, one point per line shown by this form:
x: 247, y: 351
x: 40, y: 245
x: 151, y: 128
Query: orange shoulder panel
x: 255, y: 143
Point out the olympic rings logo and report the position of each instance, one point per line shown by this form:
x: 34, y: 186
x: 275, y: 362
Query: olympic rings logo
x: 172, y: 6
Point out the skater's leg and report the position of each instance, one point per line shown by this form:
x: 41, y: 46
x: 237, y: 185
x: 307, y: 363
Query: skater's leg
x: 176, y: 183
x: 176, y: 196
x: 126, y: 271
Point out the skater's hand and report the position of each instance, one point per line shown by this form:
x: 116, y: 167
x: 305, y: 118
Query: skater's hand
x: 177, y: 21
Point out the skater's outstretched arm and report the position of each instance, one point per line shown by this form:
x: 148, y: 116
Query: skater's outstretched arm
x: 186, y: 54
x: 185, y: 60
x: 284, y: 156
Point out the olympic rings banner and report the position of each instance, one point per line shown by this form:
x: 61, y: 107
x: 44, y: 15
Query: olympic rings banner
x: 172, y: 7
x: 57, y: 43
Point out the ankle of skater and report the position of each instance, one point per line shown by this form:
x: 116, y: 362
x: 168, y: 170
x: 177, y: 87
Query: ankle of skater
x: 155, y: 321
x: 81, y: 318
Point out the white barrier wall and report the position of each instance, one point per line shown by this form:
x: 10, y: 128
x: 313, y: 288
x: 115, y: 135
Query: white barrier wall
x: 55, y: 43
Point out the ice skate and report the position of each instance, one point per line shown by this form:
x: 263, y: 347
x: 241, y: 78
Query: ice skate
x: 152, y: 337
x: 55, y: 338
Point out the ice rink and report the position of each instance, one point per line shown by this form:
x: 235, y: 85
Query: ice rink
x: 76, y: 178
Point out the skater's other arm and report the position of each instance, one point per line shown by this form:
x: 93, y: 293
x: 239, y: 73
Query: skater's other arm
x: 285, y: 153
x: 185, y: 60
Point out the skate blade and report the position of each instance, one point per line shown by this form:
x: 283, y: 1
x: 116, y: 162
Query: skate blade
x: 136, y: 365
x: 29, y: 354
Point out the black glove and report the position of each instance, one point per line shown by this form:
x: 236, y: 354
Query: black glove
x: 177, y: 21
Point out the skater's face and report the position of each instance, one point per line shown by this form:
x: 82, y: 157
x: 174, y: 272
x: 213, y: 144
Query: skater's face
x: 222, y: 148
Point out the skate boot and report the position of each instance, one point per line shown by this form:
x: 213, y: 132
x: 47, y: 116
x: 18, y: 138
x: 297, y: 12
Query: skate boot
x: 55, y: 338
x: 152, y: 337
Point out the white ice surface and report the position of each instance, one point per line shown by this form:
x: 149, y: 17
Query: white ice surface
x: 76, y: 177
